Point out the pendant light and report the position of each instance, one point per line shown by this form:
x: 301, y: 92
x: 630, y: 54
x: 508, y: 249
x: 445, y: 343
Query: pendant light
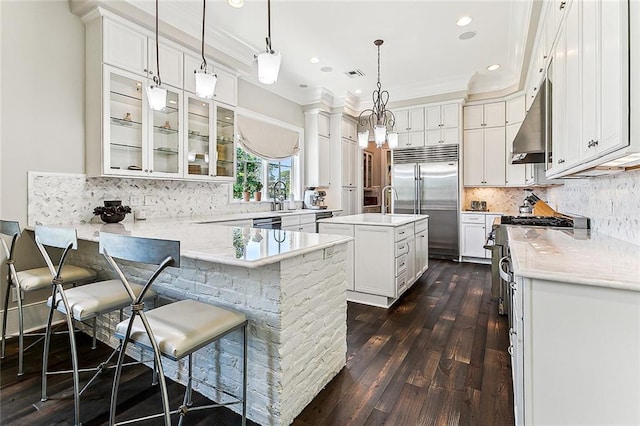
x: 205, y: 80
x: 268, y: 61
x: 156, y: 95
x: 378, y: 118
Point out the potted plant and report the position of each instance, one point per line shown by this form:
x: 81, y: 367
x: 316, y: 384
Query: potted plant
x: 257, y: 187
x: 246, y: 191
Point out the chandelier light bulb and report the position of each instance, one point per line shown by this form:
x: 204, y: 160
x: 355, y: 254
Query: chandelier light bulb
x: 392, y: 140
x: 363, y: 139
x: 269, y: 67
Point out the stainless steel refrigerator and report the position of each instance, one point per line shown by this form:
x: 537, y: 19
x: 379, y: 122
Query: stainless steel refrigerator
x: 426, y: 180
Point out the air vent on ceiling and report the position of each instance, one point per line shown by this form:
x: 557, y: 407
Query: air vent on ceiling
x: 355, y: 73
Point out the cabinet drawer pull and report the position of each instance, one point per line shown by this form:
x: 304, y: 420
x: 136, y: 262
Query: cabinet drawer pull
x: 563, y: 5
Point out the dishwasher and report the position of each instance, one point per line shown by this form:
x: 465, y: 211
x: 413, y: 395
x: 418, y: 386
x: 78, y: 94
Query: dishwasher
x: 274, y: 222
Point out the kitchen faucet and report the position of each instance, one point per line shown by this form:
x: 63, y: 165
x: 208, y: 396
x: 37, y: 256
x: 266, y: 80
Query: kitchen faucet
x: 281, y: 195
x: 384, y: 204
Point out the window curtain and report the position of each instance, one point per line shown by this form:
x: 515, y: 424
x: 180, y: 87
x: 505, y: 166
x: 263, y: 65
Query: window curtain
x: 266, y: 140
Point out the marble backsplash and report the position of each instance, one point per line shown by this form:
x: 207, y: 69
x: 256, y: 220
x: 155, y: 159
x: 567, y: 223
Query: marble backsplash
x: 502, y: 200
x: 57, y: 198
x: 612, y: 203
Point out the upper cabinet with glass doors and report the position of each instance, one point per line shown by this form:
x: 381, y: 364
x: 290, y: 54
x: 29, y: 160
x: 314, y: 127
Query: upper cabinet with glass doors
x: 210, y: 148
x: 125, y: 137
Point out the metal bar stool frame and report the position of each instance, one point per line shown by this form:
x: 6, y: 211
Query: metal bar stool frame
x: 162, y: 253
x: 12, y: 229
x: 66, y: 239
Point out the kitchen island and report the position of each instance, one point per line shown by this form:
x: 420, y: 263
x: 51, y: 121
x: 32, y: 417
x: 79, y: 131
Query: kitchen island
x: 388, y: 255
x: 290, y: 285
x: 575, y: 332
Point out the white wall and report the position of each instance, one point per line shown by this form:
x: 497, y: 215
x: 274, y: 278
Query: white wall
x: 264, y: 102
x: 42, y: 103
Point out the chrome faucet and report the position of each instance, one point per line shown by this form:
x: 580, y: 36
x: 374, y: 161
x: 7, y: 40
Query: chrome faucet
x: 384, y: 204
x: 278, y: 201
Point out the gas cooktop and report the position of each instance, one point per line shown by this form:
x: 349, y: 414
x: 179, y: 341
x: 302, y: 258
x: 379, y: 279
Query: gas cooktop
x: 555, y: 221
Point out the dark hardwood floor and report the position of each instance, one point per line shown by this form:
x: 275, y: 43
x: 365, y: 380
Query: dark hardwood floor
x: 437, y: 357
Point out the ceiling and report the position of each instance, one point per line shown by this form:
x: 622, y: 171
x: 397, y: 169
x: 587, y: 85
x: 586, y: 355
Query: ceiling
x: 422, y: 54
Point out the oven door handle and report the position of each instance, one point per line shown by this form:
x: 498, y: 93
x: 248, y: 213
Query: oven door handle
x: 505, y: 274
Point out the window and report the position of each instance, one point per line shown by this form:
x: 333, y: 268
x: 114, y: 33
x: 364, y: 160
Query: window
x: 252, y: 172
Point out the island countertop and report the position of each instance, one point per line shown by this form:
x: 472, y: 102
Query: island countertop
x: 376, y: 219
x: 240, y: 246
x: 574, y: 256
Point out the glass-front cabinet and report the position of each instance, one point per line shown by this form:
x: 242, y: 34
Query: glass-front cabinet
x: 225, y: 146
x: 137, y: 140
x: 208, y: 121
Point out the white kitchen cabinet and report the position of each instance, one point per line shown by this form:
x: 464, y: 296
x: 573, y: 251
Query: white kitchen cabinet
x: 349, y: 201
x: 131, y: 50
x: 411, y: 139
x: 484, y: 157
x: 210, y: 139
x: 299, y: 222
x: 475, y: 227
x: 514, y: 173
x: 350, y: 163
x: 442, y: 116
x: 409, y: 120
x: 442, y: 136
x: 412, y: 268
x: 375, y: 245
x: 349, y: 231
x: 137, y: 140
x: 317, y: 150
x: 349, y: 129
x: 515, y: 110
x: 422, y: 251
x: 484, y: 115
x: 226, y: 90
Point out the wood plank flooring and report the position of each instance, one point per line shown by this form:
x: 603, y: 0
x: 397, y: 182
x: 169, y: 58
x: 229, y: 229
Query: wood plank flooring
x: 437, y: 357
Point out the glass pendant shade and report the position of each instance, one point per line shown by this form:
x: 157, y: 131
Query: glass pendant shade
x: 380, y: 135
x: 392, y: 140
x: 363, y: 139
x: 205, y: 84
x: 269, y: 67
x: 157, y: 97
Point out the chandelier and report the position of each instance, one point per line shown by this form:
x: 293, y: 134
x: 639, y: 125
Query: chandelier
x: 378, y: 118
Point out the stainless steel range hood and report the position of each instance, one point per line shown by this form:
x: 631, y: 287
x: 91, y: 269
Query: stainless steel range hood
x: 529, y: 144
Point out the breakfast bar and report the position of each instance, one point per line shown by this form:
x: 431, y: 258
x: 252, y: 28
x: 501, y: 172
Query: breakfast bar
x: 290, y: 285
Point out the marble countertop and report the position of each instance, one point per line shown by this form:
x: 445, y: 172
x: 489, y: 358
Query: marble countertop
x: 252, y: 215
x: 230, y: 245
x: 575, y: 256
x: 376, y: 219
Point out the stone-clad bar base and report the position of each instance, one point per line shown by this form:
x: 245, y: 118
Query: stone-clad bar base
x: 297, y: 314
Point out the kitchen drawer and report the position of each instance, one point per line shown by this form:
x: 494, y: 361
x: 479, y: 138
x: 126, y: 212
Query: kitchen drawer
x: 401, y: 265
x: 402, y: 232
x: 473, y: 218
x: 421, y: 225
x: 401, y: 284
x: 290, y: 220
x: 402, y: 247
x: 307, y: 218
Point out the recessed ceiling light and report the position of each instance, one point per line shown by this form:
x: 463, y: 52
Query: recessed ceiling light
x: 493, y: 67
x: 357, y: 91
x: 326, y: 69
x: 314, y: 60
x: 468, y: 35
x: 227, y: 118
x: 172, y: 102
x: 236, y: 3
x: 204, y: 104
x: 464, y: 20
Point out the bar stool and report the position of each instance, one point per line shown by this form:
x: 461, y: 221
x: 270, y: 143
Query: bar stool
x: 27, y: 281
x: 175, y: 330
x: 79, y: 303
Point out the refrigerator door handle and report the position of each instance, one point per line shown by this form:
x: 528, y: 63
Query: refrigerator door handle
x: 419, y: 190
x: 416, y: 173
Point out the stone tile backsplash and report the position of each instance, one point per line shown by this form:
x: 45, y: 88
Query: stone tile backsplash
x: 612, y: 203
x: 56, y: 198
x: 501, y: 200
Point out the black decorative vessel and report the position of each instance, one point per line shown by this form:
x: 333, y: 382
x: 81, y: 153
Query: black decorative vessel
x: 112, y: 212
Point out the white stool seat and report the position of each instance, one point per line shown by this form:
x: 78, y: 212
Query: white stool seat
x: 182, y: 327
x: 87, y: 301
x: 38, y: 278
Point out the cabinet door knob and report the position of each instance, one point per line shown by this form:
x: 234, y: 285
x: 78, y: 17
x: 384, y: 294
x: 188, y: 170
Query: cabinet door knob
x: 563, y: 5
x: 145, y: 70
x: 151, y: 72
